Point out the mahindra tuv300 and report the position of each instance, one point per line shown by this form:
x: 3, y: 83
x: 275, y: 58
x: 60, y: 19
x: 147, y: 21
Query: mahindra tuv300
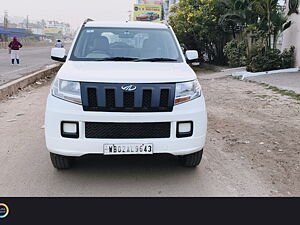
x: 125, y: 89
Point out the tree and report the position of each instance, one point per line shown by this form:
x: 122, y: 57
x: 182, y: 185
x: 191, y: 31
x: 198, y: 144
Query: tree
x: 239, y: 14
x: 207, y: 25
x: 280, y: 24
x: 196, y: 25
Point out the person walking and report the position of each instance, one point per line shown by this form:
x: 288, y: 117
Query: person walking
x: 59, y: 44
x: 15, y: 46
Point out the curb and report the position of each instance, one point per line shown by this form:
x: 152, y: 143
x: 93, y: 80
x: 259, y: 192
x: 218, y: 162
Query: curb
x: 12, y: 87
x: 234, y: 69
x: 245, y: 74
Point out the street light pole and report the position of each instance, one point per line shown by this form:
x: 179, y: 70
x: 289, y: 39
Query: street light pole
x: 5, y: 23
x: 27, y: 23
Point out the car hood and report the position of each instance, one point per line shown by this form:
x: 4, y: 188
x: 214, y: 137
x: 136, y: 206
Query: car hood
x: 128, y: 72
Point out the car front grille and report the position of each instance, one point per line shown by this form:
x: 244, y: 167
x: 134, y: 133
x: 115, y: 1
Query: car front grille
x: 127, y: 130
x: 112, y: 98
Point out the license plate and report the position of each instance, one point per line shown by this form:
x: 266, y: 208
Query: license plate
x: 128, y: 149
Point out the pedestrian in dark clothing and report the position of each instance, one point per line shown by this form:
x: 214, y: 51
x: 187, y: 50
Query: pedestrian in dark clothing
x: 59, y: 44
x: 15, y: 46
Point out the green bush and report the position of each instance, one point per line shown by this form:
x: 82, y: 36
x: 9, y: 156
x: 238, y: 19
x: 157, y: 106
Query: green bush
x: 288, y: 58
x: 260, y: 59
x: 235, y: 51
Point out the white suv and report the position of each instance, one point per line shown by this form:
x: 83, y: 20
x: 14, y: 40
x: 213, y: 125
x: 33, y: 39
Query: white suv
x: 124, y: 89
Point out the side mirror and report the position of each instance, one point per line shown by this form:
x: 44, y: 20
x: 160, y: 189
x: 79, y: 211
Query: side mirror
x: 191, y: 55
x: 58, y: 54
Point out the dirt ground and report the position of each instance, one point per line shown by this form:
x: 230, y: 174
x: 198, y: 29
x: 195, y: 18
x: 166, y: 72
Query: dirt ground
x: 249, y: 122
x: 252, y: 150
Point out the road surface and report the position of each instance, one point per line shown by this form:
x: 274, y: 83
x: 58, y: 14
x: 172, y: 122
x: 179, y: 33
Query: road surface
x: 252, y: 150
x: 285, y: 81
x: 32, y: 59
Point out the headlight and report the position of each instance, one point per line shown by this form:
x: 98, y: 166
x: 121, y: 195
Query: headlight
x: 187, y: 91
x: 67, y: 90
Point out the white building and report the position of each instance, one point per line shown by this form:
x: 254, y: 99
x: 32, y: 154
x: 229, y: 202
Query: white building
x: 291, y: 36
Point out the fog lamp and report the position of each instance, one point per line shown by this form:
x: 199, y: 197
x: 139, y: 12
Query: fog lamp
x: 184, y: 129
x: 70, y: 129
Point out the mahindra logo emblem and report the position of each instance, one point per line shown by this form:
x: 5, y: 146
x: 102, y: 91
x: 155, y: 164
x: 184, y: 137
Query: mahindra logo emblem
x: 128, y: 88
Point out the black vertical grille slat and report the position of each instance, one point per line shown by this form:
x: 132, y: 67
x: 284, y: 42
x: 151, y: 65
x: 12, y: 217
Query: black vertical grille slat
x: 147, y: 98
x: 114, y: 97
x: 92, y: 97
x: 164, y: 97
x: 128, y: 99
x: 110, y: 98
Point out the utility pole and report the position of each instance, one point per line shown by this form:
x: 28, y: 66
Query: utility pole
x: 27, y: 23
x: 5, y: 19
x: 5, y: 23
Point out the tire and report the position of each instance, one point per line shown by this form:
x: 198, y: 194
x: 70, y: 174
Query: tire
x: 192, y: 160
x: 61, y: 162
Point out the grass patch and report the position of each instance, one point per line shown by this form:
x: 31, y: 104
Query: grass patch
x: 289, y: 93
x: 285, y: 92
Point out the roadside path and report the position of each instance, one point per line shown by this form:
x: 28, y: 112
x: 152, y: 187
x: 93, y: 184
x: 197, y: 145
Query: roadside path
x: 31, y: 58
x: 285, y: 81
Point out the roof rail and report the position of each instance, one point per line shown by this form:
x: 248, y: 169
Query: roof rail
x: 165, y: 23
x: 86, y: 21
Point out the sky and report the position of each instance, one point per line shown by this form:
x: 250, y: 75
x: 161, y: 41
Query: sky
x: 70, y: 11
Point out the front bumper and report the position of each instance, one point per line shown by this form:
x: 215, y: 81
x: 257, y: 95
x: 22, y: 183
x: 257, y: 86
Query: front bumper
x: 58, y: 110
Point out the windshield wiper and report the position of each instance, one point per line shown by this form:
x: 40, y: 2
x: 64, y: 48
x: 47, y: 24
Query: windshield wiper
x: 137, y: 59
x: 117, y: 59
x: 156, y: 60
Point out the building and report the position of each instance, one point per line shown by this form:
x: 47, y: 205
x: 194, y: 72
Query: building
x: 58, y: 27
x: 8, y: 33
x: 291, y: 36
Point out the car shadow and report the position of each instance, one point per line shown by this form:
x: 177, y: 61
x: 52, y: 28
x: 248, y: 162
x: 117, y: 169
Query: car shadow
x: 153, y: 175
x: 126, y: 161
x: 139, y: 165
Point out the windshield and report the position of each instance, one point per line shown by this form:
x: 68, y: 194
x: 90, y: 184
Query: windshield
x: 125, y: 44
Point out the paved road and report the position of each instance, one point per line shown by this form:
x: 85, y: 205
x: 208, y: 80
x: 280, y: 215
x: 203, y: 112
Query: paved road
x: 285, y: 81
x: 32, y: 59
x: 236, y: 161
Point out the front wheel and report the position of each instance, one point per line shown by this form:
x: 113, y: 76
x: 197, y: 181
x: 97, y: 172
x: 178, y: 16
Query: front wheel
x: 61, y: 162
x: 192, y: 160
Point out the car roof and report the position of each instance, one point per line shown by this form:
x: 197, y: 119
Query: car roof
x: 127, y: 24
